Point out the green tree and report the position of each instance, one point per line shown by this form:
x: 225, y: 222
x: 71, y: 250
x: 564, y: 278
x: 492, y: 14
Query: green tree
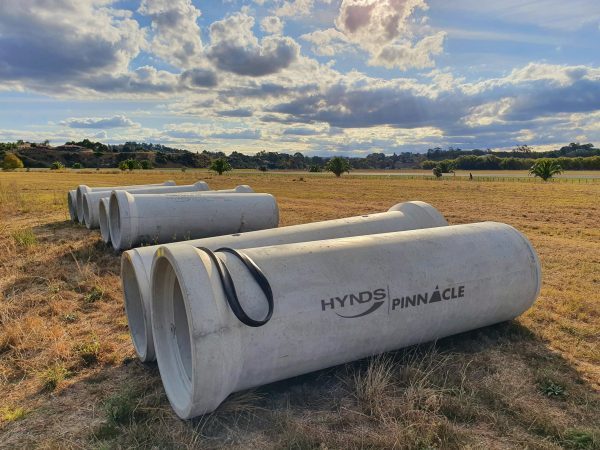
x: 76, y: 166
x: 545, y: 169
x: 130, y: 164
x: 57, y: 165
x: 338, y: 166
x: 315, y: 168
x: 146, y: 165
x: 437, y: 171
x: 11, y: 162
x: 220, y: 166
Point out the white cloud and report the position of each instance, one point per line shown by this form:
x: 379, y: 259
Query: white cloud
x: 61, y: 41
x: 118, y: 121
x: 294, y: 8
x: 234, y: 48
x: 176, y: 31
x: 328, y: 42
x: 272, y: 24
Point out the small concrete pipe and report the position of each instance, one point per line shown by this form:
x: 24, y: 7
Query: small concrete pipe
x: 91, y: 200
x: 103, y: 220
x: 136, y: 264
x: 135, y: 219
x: 329, y: 302
x: 84, y: 189
x: 72, y: 204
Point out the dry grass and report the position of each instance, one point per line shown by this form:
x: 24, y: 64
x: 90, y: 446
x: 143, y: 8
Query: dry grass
x: 69, y: 378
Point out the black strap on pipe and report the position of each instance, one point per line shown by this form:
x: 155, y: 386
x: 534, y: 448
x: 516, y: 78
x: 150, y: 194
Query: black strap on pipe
x: 229, y: 286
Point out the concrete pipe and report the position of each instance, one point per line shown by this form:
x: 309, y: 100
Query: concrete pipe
x: 136, y: 264
x: 103, y: 220
x: 72, y: 204
x: 84, y: 189
x: 91, y: 200
x: 135, y: 219
x: 329, y: 302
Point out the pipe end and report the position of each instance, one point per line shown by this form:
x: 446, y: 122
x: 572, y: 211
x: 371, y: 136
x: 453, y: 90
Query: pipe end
x: 423, y: 210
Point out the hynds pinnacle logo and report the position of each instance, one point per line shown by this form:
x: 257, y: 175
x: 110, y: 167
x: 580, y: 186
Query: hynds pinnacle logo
x: 374, y: 299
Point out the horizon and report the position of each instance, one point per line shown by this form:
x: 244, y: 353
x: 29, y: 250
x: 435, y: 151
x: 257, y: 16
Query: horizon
x: 319, y: 77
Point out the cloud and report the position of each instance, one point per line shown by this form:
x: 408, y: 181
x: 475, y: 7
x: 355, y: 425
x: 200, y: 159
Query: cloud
x: 234, y: 48
x: 199, y: 78
x: 118, y: 121
x: 294, y: 8
x: 238, y: 134
x: 62, y: 41
x: 383, y: 29
x: 272, y: 24
x: 301, y: 131
x: 240, y: 112
x: 176, y: 31
x: 328, y: 42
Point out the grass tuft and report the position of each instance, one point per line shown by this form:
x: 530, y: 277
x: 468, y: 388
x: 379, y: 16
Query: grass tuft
x: 25, y: 238
x: 12, y: 414
x: 94, y: 295
x: 122, y: 408
x: 54, y: 375
x: 581, y: 440
x: 88, y: 352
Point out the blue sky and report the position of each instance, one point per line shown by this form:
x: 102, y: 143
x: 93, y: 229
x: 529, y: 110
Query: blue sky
x: 317, y: 76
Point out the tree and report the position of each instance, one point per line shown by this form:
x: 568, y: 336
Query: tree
x: 11, y: 162
x: 338, y: 166
x: 220, y: 165
x: 315, y: 168
x: 57, y: 165
x: 146, y: 165
x: 129, y: 164
x: 76, y: 166
x: 545, y: 169
x: 437, y: 171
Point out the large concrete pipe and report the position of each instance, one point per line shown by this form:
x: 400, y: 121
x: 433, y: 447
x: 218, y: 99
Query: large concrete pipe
x: 84, y: 189
x: 72, y: 204
x: 329, y: 302
x: 136, y: 264
x: 91, y: 200
x: 103, y: 220
x: 156, y: 219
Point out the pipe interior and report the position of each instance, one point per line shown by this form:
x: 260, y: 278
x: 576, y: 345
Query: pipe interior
x: 171, y: 333
x: 182, y: 330
x: 114, y: 221
x: 79, y: 204
x: 134, y: 306
x: 72, y: 208
x: 103, y: 219
x: 86, y: 211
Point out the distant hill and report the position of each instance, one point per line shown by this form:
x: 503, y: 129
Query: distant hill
x: 98, y: 155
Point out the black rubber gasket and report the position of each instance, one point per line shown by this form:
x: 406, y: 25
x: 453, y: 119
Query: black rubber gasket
x: 229, y: 285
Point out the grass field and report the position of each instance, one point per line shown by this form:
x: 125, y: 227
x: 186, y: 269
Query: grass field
x: 69, y: 378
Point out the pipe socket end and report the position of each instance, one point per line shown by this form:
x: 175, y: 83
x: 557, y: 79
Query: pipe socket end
x: 419, y: 209
x: 188, y: 302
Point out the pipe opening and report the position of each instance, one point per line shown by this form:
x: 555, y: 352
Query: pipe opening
x: 103, y: 219
x: 79, y: 205
x: 114, y: 221
x: 86, y: 212
x: 182, y: 331
x: 134, y: 307
x: 172, y: 338
x: 72, y: 207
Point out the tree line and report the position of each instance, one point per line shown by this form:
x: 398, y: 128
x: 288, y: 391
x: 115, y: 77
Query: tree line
x: 132, y: 154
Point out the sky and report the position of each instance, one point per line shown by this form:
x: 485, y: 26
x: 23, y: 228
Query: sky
x: 321, y: 77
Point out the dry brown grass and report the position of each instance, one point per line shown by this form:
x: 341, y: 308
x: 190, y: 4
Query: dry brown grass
x: 68, y: 376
